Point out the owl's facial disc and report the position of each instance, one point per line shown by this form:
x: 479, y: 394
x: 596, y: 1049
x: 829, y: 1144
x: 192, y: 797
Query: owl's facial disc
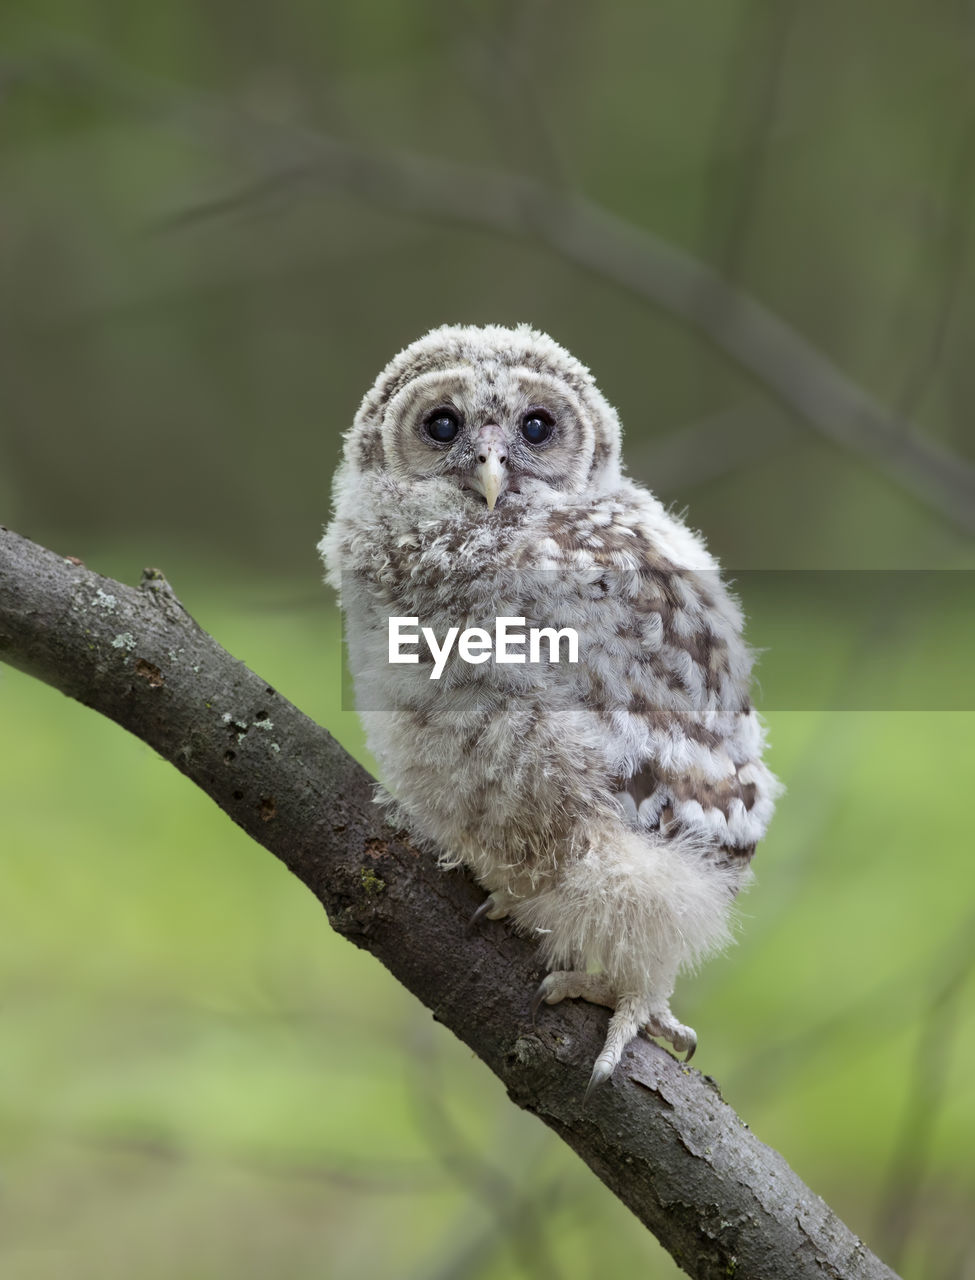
x: 490, y: 474
x: 490, y: 430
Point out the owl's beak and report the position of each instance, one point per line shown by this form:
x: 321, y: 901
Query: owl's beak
x: 490, y: 473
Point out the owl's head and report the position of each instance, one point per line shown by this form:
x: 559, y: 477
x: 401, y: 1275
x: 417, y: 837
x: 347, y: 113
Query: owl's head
x: 488, y: 412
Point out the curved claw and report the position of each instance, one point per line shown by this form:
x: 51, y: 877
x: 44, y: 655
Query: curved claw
x: 479, y: 914
x: 600, y: 1074
x: 538, y: 999
x: 684, y: 1041
x: 680, y: 1038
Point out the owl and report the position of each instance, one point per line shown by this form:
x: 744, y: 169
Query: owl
x: 605, y: 785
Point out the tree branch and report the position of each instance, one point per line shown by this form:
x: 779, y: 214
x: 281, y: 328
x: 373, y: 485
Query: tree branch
x: 658, y: 1134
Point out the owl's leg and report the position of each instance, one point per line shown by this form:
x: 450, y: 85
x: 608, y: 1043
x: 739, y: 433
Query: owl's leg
x: 630, y: 1013
x: 626, y: 1021
x: 494, y: 907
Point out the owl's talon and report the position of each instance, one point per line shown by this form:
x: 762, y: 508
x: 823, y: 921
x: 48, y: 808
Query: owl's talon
x: 545, y: 989
x: 536, y: 1003
x: 479, y: 915
x: 666, y: 1027
x: 494, y: 907
x: 601, y: 1072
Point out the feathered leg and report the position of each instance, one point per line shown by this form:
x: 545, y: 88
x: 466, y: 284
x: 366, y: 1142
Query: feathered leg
x: 637, y: 908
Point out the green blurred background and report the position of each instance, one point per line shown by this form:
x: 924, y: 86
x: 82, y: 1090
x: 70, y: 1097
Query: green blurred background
x: 215, y: 227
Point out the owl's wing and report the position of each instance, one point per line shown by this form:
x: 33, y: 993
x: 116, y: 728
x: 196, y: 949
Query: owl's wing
x: 694, y: 742
x: 666, y: 671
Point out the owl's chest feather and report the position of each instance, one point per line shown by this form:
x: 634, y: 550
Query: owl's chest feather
x: 661, y: 678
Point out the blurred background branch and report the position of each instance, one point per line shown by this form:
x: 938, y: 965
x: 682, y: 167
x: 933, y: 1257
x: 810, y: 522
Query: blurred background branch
x: 299, y: 164
x: 938, y: 1027
x: 521, y: 1204
x: 789, y: 366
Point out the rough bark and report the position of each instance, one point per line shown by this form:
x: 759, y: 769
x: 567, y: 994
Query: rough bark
x: 658, y: 1134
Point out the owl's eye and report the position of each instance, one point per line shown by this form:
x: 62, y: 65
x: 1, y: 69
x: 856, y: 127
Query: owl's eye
x: 442, y: 425
x: 536, y: 426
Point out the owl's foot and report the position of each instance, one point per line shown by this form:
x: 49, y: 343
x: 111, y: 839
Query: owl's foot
x: 630, y: 1013
x: 566, y: 984
x: 666, y: 1027
x: 494, y: 907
